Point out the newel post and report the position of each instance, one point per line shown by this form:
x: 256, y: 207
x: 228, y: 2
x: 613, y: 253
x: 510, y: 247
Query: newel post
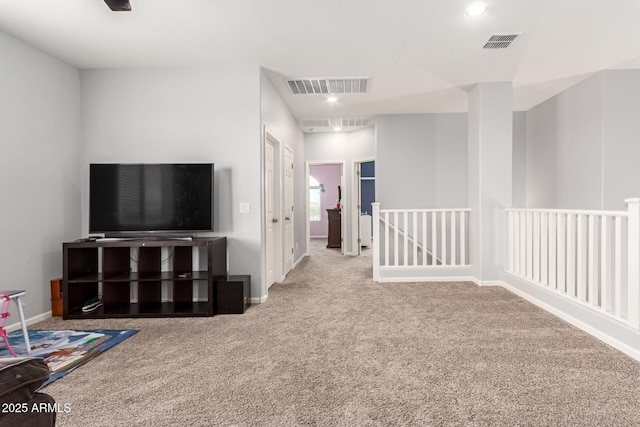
x: 633, y: 263
x: 376, y: 241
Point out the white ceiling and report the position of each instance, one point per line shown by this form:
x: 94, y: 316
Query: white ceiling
x: 421, y: 55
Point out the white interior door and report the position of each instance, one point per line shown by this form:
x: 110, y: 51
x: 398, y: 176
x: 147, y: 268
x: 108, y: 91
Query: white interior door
x: 270, y: 212
x: 287, y: 246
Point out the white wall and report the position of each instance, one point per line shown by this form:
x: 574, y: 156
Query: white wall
x: 582, y: 144
x: 519, y: 165
x: 279, y: 120
x: 490, y: 177
x: 621, y: 136
x: 421, y: 161
x: 332, y: 147
x: 204, y: 114
x: 39, y: 170
x: 564, y: 149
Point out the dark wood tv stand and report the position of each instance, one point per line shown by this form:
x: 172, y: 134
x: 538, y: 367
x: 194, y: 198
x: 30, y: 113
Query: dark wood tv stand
x: 109, y: 269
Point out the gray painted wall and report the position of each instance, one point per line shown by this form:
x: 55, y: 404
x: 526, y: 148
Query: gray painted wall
x: 519, y: 166
x: 39, y: 170
x: 421, y: 161
x: 277, y: 117
x: 490, y: 177
x: 582, y: 144
x: 621, y: 137
x: 564, y: 137
x: 205, y: 114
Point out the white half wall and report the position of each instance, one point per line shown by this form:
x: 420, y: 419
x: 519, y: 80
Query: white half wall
x: 39, y: 170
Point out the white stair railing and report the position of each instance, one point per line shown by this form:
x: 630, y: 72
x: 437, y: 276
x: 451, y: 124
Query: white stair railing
x: 419, y: 239
x: 592, y: 257
x: 410, y: 239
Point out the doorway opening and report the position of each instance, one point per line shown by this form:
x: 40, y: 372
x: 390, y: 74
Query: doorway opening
x: 364, y: 186
x: 277, y: 210
x: 325, y: 204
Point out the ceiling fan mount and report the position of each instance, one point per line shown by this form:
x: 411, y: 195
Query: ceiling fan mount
x: 119, y: 5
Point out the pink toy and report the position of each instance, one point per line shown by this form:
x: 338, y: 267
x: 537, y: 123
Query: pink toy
x: 4, y: 313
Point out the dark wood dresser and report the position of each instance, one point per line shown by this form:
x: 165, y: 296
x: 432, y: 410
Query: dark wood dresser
x: 335, y: 228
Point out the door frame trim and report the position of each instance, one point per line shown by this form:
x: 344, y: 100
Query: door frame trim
x: 345, y: 194
x: 293, y: 193
x: 267, y: 134
x: 355, y: 200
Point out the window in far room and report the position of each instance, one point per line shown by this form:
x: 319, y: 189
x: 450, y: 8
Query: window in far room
x: 314, y: 199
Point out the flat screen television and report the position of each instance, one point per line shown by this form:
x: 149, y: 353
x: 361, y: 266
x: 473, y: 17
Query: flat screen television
x: 150, y: 198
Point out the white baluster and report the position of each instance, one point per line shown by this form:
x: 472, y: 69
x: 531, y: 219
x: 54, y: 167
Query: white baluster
x: 571, y: 255
x: 544, y: 248
x: 453, y: 238
x: 633, y: 263
x: 619, y: 267
x: 561, y: 256
x: 434, y: 238
x: 593, y: 284
x: 581, y: 264
x: 424, y: 238
x: 463, y: 238
x: 376, y: 241
x: 606, y: 282
x: 511, y: 248
x: 387, y: 242
x: 536, y: 246
x: 443, y: 238
x: 553, y: 254
x: 405, y: 227
x: 415, y: 238
x: 529, y: 270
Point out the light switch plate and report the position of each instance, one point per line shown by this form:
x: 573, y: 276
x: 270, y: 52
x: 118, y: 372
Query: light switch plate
x: 245, y: 208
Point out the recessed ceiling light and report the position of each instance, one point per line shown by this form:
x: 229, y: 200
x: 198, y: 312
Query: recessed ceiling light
x: 337, y: 128
x: 332, y: 98
x: 476, y: 9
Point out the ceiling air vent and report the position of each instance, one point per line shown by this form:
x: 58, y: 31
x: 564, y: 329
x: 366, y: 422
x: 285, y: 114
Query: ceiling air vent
x: 318, y: 86
x: 500, y: 41
x: 315, y: 123
x: 360, y: 122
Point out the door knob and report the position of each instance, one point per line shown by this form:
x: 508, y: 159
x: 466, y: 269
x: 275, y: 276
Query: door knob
x: 286, y: 218
x: 274, y: 220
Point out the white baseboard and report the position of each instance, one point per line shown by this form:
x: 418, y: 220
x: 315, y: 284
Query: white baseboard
x: 489, y: 282
x: 259, y: 300
x: 428, y: 279
x: 601, y: 326
x: 305, y: 255
x: 30, y: 321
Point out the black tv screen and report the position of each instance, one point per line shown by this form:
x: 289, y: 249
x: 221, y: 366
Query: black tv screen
x: 150, y: 197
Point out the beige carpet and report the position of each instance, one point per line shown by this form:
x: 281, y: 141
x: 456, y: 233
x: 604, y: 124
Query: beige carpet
x: 331, y: 347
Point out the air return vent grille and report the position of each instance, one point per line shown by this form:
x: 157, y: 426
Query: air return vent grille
x: 500, y: 41
x: 316, y: 86
x: 355, y: 122
x: 316, y: 123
